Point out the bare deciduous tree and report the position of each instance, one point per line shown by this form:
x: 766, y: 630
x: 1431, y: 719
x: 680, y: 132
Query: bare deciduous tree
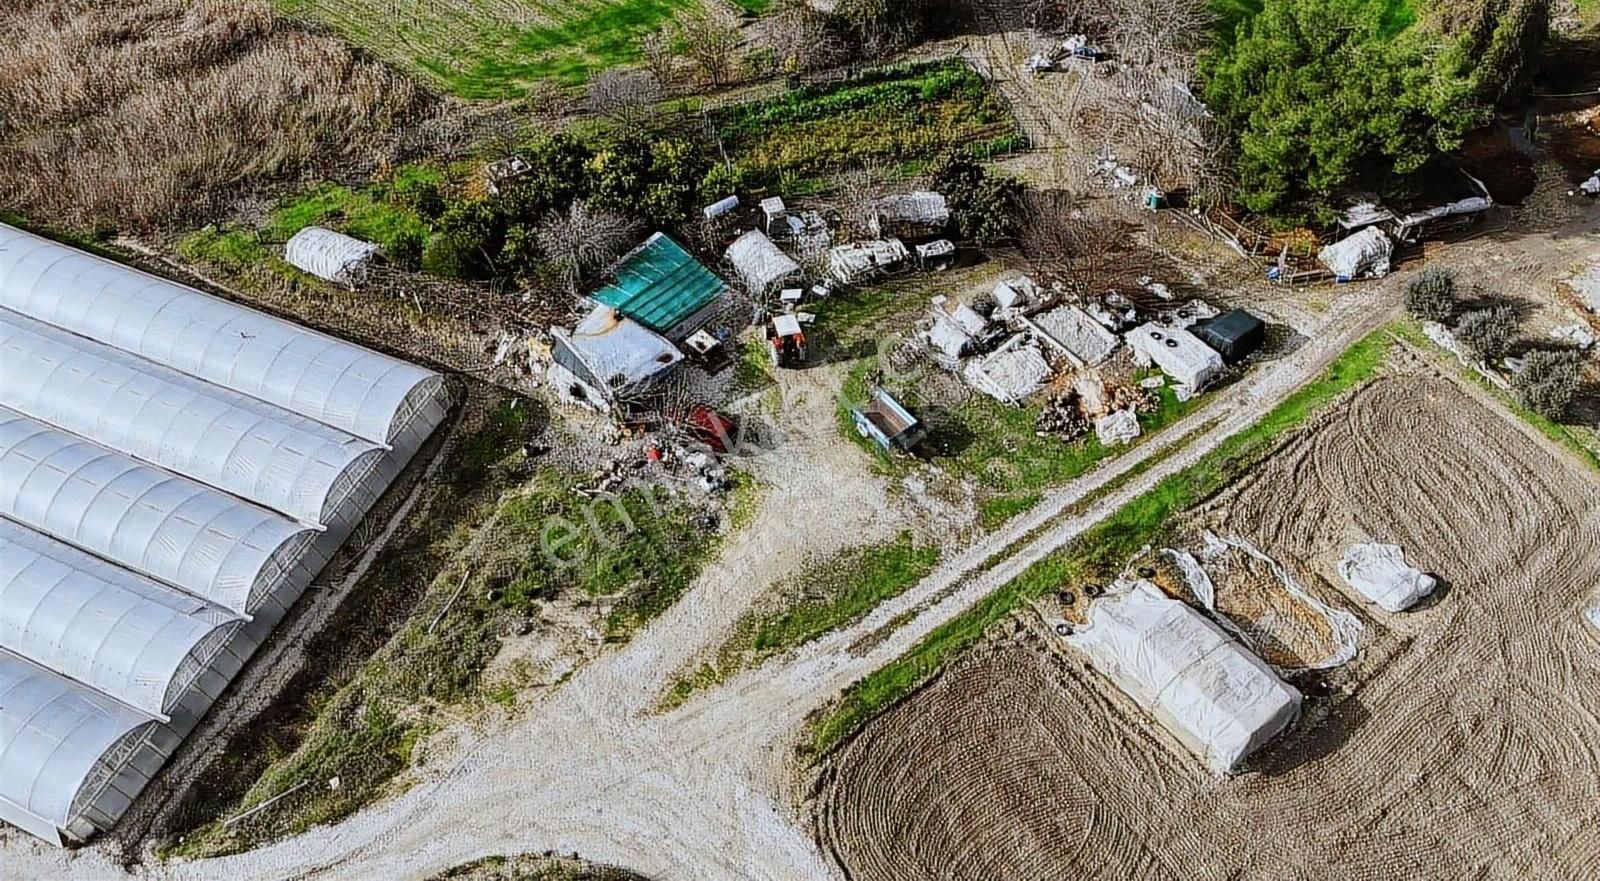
x: 626, y: 97
x: 660, y: 57
x: 801, y: 38
x: 711, y: 38
x: 584, y: 239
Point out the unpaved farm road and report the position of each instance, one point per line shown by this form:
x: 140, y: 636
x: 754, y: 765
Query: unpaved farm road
x: 702, y: 791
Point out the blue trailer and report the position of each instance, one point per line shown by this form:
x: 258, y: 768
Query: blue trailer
x: 886, y: 422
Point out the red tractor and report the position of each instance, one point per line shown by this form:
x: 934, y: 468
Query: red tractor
x: 786, y: 342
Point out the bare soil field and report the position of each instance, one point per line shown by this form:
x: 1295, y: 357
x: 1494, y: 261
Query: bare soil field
x: 1463, y: 742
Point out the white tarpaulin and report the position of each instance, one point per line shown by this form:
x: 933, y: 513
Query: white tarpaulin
x: 1009, y: 374
x: 1120, y: 427
x: 1594, y: 614
x: 1380, y: 573
x: 760, y: 264
x: 1178, y: 353
x: 1221, y: 701
x: 1344, y: 629
x: 1365, y: 254
x: 329, y: 255
x: 1070, y: 331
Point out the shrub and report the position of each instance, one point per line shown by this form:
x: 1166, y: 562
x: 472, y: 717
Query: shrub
x: 1431, y: 294
x: 452, y: 254
x: 1548, y: 382
x: 1489, y: 333
x: 984, y: 207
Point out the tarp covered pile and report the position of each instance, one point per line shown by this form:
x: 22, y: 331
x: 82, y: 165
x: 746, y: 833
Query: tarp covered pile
x: 1363, y: 255
x: 1218, y: 699
x: 1379, y: 572
x: 1178, y: 353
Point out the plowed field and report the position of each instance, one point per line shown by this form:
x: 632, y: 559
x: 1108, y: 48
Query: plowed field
x: 1464, y: 742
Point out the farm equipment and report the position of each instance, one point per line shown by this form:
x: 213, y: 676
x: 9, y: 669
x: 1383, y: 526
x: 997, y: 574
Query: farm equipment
x: 886, y: 422
x: 786, y: 342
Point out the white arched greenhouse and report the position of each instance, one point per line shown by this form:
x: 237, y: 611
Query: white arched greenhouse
x: 175, y: 469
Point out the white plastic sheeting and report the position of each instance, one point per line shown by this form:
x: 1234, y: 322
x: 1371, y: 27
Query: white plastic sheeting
x: 332, y: 256
x: 1072, y: 332
x: 53, y: 735
x: 1344, y: 629
x: 132, y: 638
x: 204, y: 541
x: 256, y: 451
x: 1593, y: 614
x: 1118, y: 427
x: 1221, y: 701
x: 1380, y: 573
x: 343, y: 385
x: 1179, y: 353
x: 1010, y: 373
x: 1362, y: 255
x: 760, y: 264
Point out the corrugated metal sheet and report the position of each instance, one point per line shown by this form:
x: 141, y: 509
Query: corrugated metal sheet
x: 660, y: 285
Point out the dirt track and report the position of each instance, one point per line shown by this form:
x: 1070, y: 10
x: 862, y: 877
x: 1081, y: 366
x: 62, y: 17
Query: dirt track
x: 1466, y: 744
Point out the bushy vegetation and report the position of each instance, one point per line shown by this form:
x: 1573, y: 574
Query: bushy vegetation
x: 1549, y: 382
x: 985, y: 207
x: 1431, y: 294
x: 1319, y: 95
x: 894, y: 114
x: 118, y: 115
x: 1488, y: 333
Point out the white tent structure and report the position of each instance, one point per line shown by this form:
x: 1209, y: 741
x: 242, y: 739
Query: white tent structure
x: 1179, y: 353
x: 760, y: 264
x: 175, y: 469
x: 1219, y: 700
x: 1380, y: 573
x: 330, y: 256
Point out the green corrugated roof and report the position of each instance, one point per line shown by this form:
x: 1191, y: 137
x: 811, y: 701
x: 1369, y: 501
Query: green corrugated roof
x: 660, y: 285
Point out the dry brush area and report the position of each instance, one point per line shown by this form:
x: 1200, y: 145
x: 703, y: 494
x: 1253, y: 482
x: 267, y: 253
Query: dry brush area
x: 1464, y: 742
x: 120, y: 114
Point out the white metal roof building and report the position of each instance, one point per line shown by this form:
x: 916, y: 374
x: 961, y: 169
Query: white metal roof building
x: 174, y: 471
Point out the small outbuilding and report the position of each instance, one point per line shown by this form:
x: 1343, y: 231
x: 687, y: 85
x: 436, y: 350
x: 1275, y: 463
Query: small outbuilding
x: 864, y: 261
x: 1179, y: 353
x: 760, y: 264
x: 1220, y: 700
x: 1235, y: 334
x: 330, y: 256
x: 607, y: 359
x: 662, y: 287
x: 922, y: 214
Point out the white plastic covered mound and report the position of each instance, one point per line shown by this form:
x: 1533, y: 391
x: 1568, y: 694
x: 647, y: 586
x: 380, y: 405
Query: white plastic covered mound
x: 1379, y: 572
x: 1220, y: 700
x: 1593, y: 614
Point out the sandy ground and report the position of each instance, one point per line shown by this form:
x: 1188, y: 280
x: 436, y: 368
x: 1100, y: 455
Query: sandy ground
x: 1467, y: 746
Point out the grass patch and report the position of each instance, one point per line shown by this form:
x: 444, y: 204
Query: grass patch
x: 488, y: 547
x: 1096, y: 554
x: 832, y: 595
x: 896, y: 114
x: 996, y: 446
x: 479, y: 50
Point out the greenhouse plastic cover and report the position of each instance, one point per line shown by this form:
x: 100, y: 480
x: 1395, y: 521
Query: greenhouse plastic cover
x: 1380, y: 573
x: 343, y: 385
x: 1220, y: 700
x: 329, y: 255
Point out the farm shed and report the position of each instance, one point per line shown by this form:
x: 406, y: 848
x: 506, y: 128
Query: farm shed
x: 1380, y: 573
x: 174, y: 470
x: 1235, y: 334
x: 330, y: 256
x: 863, y: 261
x: 1361, y: 255
x: 607, y: 358
x: 661, y: 286
x: 921, y: 214
x: 1179, y: 354
x: 760, y: 264
x: 1219, y: 700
